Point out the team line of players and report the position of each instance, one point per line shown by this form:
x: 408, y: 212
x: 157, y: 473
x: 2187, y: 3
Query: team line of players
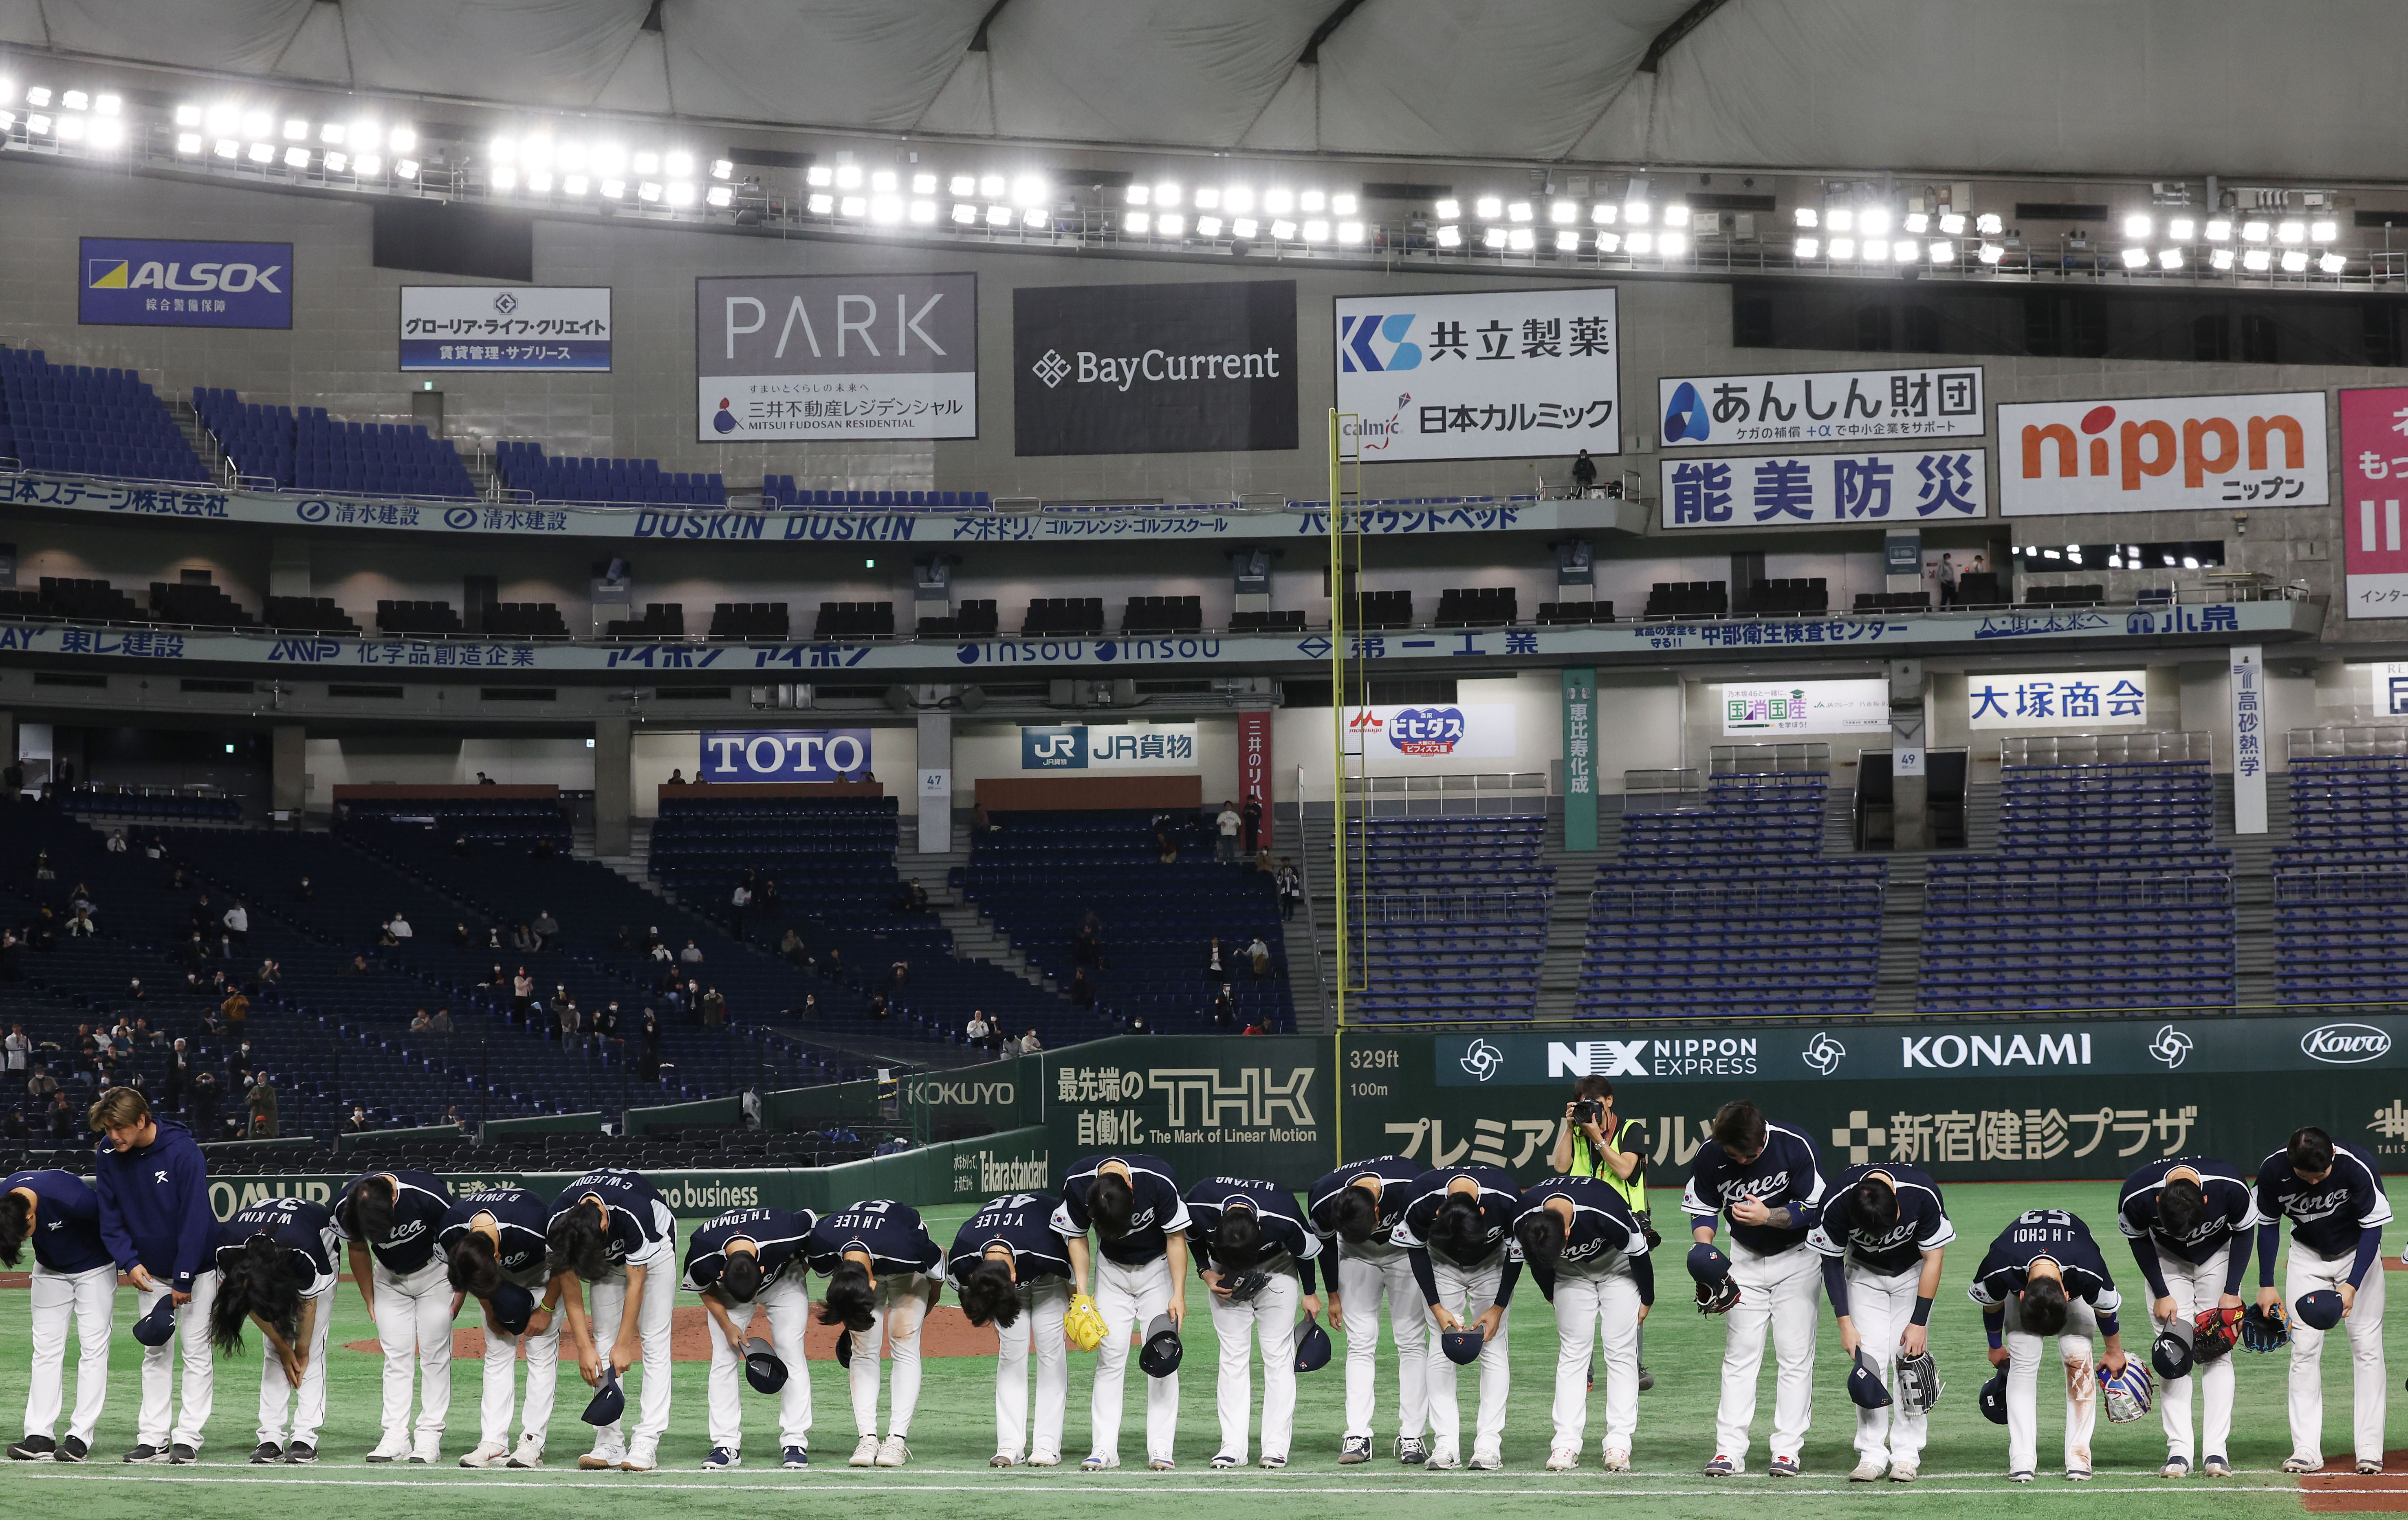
x: 592, y: 1274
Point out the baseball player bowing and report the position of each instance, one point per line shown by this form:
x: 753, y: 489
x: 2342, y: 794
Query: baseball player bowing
x: 276, y: 1269
x: 72, y: 1278
x: 2189, y: 1220
x: 744, y: 1258
x: 153, y: 1190
x: 2333, y: 1197
x: 1457, y: 1235
x: 883, y: 1276
x: 612, y: 1231
x: 1354, y: 1209
x: 2044, y: 1277
x: 1255, y: 1254
x: 1882, y: 1234
x: 1588, y: 1255
x: 388, y: 1219
x: 1011, y: 1270
x: 1764, y: 1178
x: 493, y: 1246
x: 1140, y: 1225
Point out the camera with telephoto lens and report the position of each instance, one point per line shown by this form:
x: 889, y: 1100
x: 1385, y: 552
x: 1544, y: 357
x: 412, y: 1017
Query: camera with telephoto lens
x: 1588, y: 1111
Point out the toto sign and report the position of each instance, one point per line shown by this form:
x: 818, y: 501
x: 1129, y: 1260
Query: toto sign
x: 801, y: 755
x: 2346, y: 1044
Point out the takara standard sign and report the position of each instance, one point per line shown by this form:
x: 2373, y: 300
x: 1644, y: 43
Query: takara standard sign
x: 797, y: 754
x: 1831, y: 406
x: 558, y: 327
x: 1926, y: 485
x: 836, y: 356
x: 1497, y: 375
x: 2228, y: 453
x: 2074, y: 699
x: 1807, y: 707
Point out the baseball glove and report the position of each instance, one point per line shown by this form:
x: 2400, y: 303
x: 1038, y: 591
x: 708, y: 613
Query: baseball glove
x: 2129, y: 1393
x: 2265, y: 1329
x: 1718, y: 1297
x: 1916, y: 1381
x: 1244, y: 1285
x: 1082, y: 1322
x: 2214, y: 1332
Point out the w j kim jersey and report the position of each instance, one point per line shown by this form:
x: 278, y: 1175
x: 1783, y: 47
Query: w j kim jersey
x: 1022, y: 1224
x: 2231, y: 1206
x: 778, y: 1236
x: 2059, y: 1237
x: 420, y: 1201
x: 1782, y: 1175
x: 1158, y: 1211
x: 304, y: 1230
x: 1922, y: 1222
x: 1501, y: 1204
x: 1395, y: 1175
x: 890, y: 1232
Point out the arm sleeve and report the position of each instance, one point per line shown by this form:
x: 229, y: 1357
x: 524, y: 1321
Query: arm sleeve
x: 2144, y: 1255
x: 1994, y: 1324
x: 1512, y: 1275
x: 2238, y: 1263
x: 2269, y: 1236
x: 1419, y: 1259
x: 113, y: 1233
x: 1306, y: 1276
x: 1835, y: 1284
x: 197, y: 1236
x: 1642, y: 1272
x: 2369, y: 1245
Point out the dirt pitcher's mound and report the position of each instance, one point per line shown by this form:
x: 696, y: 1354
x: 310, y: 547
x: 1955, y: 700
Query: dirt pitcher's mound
x: 945, y: 1334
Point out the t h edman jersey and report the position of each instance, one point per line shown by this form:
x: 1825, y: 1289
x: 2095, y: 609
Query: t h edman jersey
x: 2231, y: 1208
x: 890, y: 1232
x: 2328, y: 1217
x: 419, y: 1203
x: 1783, y: 1174
x: 1158, y: 1210
x: 520, y: 1219
x: 1023, y: 1224
x: 1922, y: 1224
x: 777, y: 1236
x: 306, y: 1229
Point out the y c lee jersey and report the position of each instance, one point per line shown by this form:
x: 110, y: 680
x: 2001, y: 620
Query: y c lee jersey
x: 1021, y: 1222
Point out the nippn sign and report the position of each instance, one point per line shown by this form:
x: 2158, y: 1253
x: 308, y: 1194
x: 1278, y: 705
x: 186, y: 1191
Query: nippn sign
x: 2163, y: 453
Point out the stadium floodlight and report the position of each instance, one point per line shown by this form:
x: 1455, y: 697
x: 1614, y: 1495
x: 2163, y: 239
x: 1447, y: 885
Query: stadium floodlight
x: 1312, y: 200
x: 649, y: 191
x: 1906, y: 250
x: 406, y: 169
x: 821, y: 204
x: 613, y: 190
x: 1672, y: 244
x: 2257, y: 261
x: 70, y: 129
x: 1283, y: 231
x: 1352, y: 232
x: 999, y: 216
x: 1876, y: 250
x: 2295, y: 261
x: 76, y: 100
x: 1244, y: 228
x: 500, y: 176
x: 575, y: 184
x: 1519, y: 212
x: 38, y: 96
x: 724, y: 168
x: 2322, y: 232
x: 2137, y: 227
x: 187, y: 115
x: 2170, y: 258
x: 881, y: 182
x: 993, y: 187
x: 337, y: 161
x: 540, y: 182
x: 2254, y: 231
x: 1840, y: 219
x: 1494, y: 238
x: 2220, y: 259
x: 722, y: 196
x: 1636, y: 212
x: 1137, y: 221
x: 1873, y: 222
x: 650, y: 163
x: 1488, y: 208
x: 188, y: 143
x: 962, y: 186
x: 1170, y: 223
x: 258, y: 125
x: 2332, y: 264
x: 365, y: 134
x: 1566, y: 242
x: 848, y: 176
x: 1677, y: 214
x: 108, y: 132
x: 1139, y: 194
x: 1316, y: 230
x: 1917, y: 222
x: 2136, y: 258
x: 1207, y: 226
x: 1036, y: 216
x: 2181, y: 229
x: 1843, y: 250
x: 226, y: 148
x: 818, y: 177
x: 1640, y: 242
x: 571, y: 156
x: 501, y: 149
x: 296, y: 158
x: 1522, y: 240
x: 1169, y: 193
x: 1604, y: 213
x: 1448, y: 208
x: 1944, y: 251
x: 1449, y: 236
x: 680, y: 193
x: 2219, y: 229
x: 2292, y: 232
x: 1806, y: 248
x: 261, y: 152
x: 1608, y: 242
x: 223, y: 119
x: 1028, y: 190
x: 331, y: 134
x: 403, y: 140
x: 536, y: 153
x: 1989, y: 224
x: 965, y: 214
x: 855, y: 207
x: 1279, y: 200
x: 1237, y: 199
x: 1342, y: 202
x: 1991, y: 253
x: 1951, y: 224
x: 1208, y: 197
x: 1806, y: 216
x: 296, y: 130
x: 922, y: 184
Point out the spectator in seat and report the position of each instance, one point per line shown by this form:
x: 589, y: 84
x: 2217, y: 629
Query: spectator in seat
x: 41, y: 1086
x: 79, y: 924
x: 261, y: 1099
x: 400, y: 926
x: 1083, y: 992
x: 521, y: 997
x: 304, y: 891
x: 1137, y: 1025
x: 737, y: 901
x: 12, y: 963
x: 790, y: 948
x: 523, y: 940
x: 460, y: 937
x: 898, y: 976
x: 271, y: 973
x: 1291, y: 889
x: 1224, y: 1009
x: 116, y: 841
x: 63, y: 1118
x: 977, y: 1030
x: 1225, y: 839
x: 236, y: 1011
x: 605, y: 1021
x: 1029, y: 1043
x: 1583, y: 474
x: 767, y: 893
x: 1165, y: 843
x: 878, y: 1009
x: 547, y: 929
x: 206, y: 1092
x: 1087, y: 949
x: 386, y: 939
x: 714, y: 1010
x: 359, y: 966
x: 418, y: 1026
x: 570, y: 1018
x: 483, y: 779
x: 238, y: 922
x: 18, y: 1048
x: 358, y: 1123
x: 1260, y: 953
x: 441, y: 1023
x: 691, y: 955
x: 648, y: 1060
x: 676, y: 778
x: 42, y: 872
x: 1216, y: 965
x: 1252, y: 817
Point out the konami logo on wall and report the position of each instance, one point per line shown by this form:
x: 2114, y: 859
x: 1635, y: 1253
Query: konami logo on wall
x: 2163, y: 453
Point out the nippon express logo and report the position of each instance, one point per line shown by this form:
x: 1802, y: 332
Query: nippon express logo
x: 1375, y: 345
x: 1418, y: 730
x: 2346, y: 1044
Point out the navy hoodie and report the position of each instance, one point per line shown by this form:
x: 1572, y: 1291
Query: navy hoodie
x: 154, y: 1206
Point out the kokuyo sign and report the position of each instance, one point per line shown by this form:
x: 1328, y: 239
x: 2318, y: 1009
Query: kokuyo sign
x: 2163, y: 453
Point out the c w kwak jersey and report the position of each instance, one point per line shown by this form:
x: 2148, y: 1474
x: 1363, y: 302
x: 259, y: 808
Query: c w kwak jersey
x: 419, y: 1203
x: 1501, y: 1204
x: 2327, y: 1217
x: 1159, y: 1211
x: 1784, y: 1174
x: 520, y: 1219
x: 1282, y: 1223
x: 2231, y: 1206
x: 2061, y: 1238
x: 891, y: 1234
x: 638, y: 1219
x: 777, y: 1236
x: 1022, y: 1224
x: 304, y: 1230
x: 1922, y: 1224
x: 1395, y: 1175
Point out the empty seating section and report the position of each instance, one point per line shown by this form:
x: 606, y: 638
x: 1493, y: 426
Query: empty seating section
x: 522, y: 821
x: 1730, y: 910
x: 201, y: 605
x: 2061, y: 596
x: 780, y: 491
x: 661, y: 620
x: 1687, y: 599
x: 89, y: 601
x: 1478, y: 607
x: 1454, y: 919
x: 1893, y: 601
x: 418, y: 618
x: 312, y: 614
x: 525, y: 620
x: 1265, y: 623
x: 77, y: 420
x: 2108, y: 892
x: 1384, y: 609
x: 1980, y: 588
x: 524, y: 466
x: 1556, y: 614
x: 303, y: 449
x: 1162, y: 615
x: 257, y: 440
x: 969, y: 619
x: 748, y: 620
x: 1064, y: 615
x: 115, y: 804
x: 2341, y: 892
x: 1041, y: 873
x: 1811, y: 594
x: 855, y: 620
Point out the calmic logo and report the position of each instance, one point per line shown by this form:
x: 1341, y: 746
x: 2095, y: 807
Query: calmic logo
x: 2346, y: 1044
x: 1373, y: 345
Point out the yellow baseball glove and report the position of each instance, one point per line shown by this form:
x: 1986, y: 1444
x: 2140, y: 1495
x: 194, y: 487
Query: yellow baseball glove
x: 1082, y: 1322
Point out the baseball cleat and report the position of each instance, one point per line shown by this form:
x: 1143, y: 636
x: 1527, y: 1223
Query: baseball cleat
x: 1411, y: 1453
x: 864, y: 1453
x: 528, y: 1454
x: 71, y: 1449
x: 597, y: 1462
x: 426, y: 1450
x: 794, y: 1458
x: 391, y: 1449
x: 1003, y: 1459
x: 1487, y: 1462
x: 1868, y: 1471
x: 1721, y: 1467
x: 182, y: 1455
x: 1562, y: 1459
x: 1616, y: 1459
x: 265, y: 1452
x: 720, y: 1459
x: 2023, y: 1475
x: 2216, y: 1467
x: 1442, y: 1460
x: 145, y: 1453
x: 2077, y: 1474
x: 2369, y: 1467
x: 638, y: 1462
x: 2176, y: 1467
x: 1783, y: 1467
x: 893, y: 1451
x: 1274, y: 1464
x: 1903, y: 1473
x: 2290, y: 1464
x: 301, y: 1455
x: 485, y: 1454
x: 1646, y: 1378
x: 1223, y: 1461
x: 1354, y: 1450
x: 1098, y: 1462
x: 1045, y: 1459
x: 1161, y: 1464
x: 33, y: 1449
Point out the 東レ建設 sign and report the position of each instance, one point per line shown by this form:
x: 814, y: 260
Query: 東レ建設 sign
x: 2056, y: 700
x: 1496, y: 375
x: 836, y: 356
x: 555, y: 327
x: 1806, y: 706
x: 1833, y: 406
x: 2163, y: 454
x: 1924, y: 485
x: 792, y: 755
x: 148, y: 282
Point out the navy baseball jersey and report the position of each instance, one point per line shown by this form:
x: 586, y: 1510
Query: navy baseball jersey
x: 1602, y: 1225
x: 66, y: 1219
x: 778, y: 1236
x: 2328, y: 1217
x: 2231, y: 1206
x: 1922, y: 1222
x: 634, y: 1206
x: 891, y: 1232
x: 2062, y: 1238
x: 1282, y: 1223
x: 1501, y: 1204
x: 520, y: 1219
x: 420, y: 1201
x: 1783, y: 1174
x: 303, y: 1228
x: 1022, y: 1224
x: 1395, y: 1176
x: 1158, y: 1211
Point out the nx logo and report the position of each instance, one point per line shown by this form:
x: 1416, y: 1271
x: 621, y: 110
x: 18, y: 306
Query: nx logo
x: 1596, y: 1059
x: 2173, y: 1046
x: 1483, y: 1060
x: 1824, y: 1053
x: 1052, y: 369
x: 2346, y: 1044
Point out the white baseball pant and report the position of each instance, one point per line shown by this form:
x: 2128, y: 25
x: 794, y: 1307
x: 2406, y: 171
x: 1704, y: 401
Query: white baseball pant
x: 2075, y: 1348
x: 1881, y: 1308
x: 1781, y: 1293
x: 158, y: 1369
x: 901, y: 1304
x: 2195, y: 1289
x: 2304, y: 1272
x: 1038, y: 1328
x: 1365, y: 1274
x: 1268, y: 1318
x: 1128, y: 1297
x: 786, y: 1302
x: 90, y: 1297
x: 502, y: 1374
x: 277, y: 1395
x: 607, y: 1300
x: 1598, y: 1304
x: 413, y: 1324
x: 1468, y: 1292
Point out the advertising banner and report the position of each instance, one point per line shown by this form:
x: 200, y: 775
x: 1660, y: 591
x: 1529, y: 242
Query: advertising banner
x: 1496, y: 375
x: 1831, y: 405
x: 1580, y: 758
x: 1806, y: 706
x: 1263, y: 1107
x: 2247, y: 684
x: 1131, y: 746
x: 148, y: 282
x: 1145, y: 369
x: 1434, y: 735
x: 1925, y: 486
x: 560, y: 327
x: 2374, y: 478
x: 836, y: 356
x: 1254, y: 767
x: 2389, y: 694
x: 2074, y: 699
x: 786, y: 755
x: 2163, y: 454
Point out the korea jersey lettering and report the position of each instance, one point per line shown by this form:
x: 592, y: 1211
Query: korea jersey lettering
x: 1603, y: 1222
x: 1021, y: 1222
x: 2062, y: 1238
x: 1501, y: 1204
x: 1395, y: 1174
x: 520, y: 1219
x: 891, y: 1232
x: 2328, y: 1217
x: 1784, y: 1174
x: 778, y: 1236
x: 66, y: 1219
x: 1158, y: 1210
x: 1922, y: 1222
x: 1282, y: 1223
x: 419, y: 1203
x: 306, y: 1229
x: 633, y: 1205
x: 2231, y: 1208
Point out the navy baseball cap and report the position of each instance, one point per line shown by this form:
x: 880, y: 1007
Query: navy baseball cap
x: 1162, y: 1352
x: 763, y: 1367
x: 157, y: 1327
x: 1994, y: 1397
x: 1462, y: 1347
x: 1311, y: 1347
x: 1865, y: 1383
x: 512, y: 1307
x: 610, y: 1401
x: 1708, y: 1265
x: 844, y: 1348
x: 2171, y: 1353
x: 2318, y: 1311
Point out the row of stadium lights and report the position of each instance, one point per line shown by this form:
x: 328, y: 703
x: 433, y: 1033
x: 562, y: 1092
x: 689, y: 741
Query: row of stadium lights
x: 1845, y: 234
x: 2263, y: 243
x: 231, y: 134
x: 67, y: 116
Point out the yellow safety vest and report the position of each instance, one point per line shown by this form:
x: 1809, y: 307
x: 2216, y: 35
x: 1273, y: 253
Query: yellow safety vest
x: 1587, y: 1163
